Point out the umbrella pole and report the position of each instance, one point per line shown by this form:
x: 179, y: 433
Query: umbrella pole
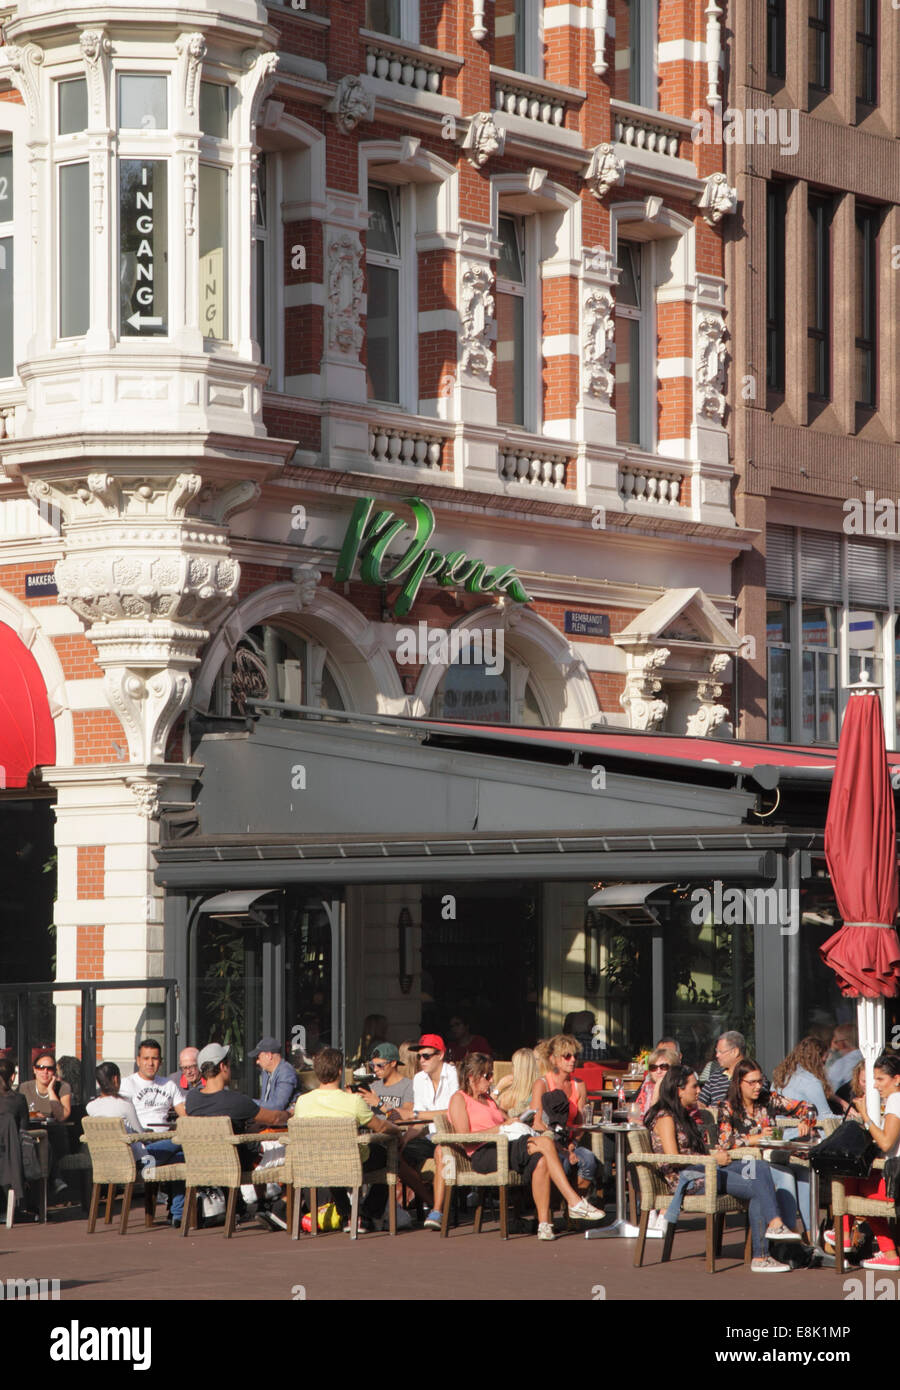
x: 870, y: 1025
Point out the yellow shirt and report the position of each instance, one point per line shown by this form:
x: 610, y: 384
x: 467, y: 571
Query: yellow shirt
x: 329, y: 1104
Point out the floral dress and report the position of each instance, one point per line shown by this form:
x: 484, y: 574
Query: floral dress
x: 669, y: 1172
x: 735, y: 1129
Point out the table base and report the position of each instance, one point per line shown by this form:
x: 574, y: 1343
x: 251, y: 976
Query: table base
x: 623, y: 1230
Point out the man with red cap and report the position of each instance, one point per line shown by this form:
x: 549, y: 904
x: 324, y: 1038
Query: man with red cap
x: 433, y: 1085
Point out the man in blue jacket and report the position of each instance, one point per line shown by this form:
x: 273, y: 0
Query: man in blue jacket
x: 279, y: 1080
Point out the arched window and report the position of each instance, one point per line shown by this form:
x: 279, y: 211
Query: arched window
x: 273, y: 662
x: 470, y: 692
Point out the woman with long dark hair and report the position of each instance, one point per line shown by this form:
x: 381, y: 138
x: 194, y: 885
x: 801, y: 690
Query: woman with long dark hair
x: 674, y: 1129
x: 746, y: 1121
x: 887, y: 1137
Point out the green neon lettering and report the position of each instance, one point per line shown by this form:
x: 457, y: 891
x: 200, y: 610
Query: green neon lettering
x: 429, y: 565
x: 424, y: 518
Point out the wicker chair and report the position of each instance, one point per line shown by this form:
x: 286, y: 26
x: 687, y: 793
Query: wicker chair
x: 458, y: 1171
x: 211, y: 1160
x: 112, y: 1161
x: 655, y: 1196
x: 842, y: 1205
x: 326, y: 1153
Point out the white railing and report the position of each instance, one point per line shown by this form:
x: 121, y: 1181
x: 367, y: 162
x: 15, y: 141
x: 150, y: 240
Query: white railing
x: 537, y: 468
x: 658, y: 485
x: 411, y: 447
x: 655, y: 133
x: 403, y: 67
x: 532, y: 97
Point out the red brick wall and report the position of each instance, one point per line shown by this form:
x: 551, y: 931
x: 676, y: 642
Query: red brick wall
x: 89, y: 875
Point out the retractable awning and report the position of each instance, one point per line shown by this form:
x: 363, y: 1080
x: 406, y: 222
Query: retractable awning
x: 27, y: 736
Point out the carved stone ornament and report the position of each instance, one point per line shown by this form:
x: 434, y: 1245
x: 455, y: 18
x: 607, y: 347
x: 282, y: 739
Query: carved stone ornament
x: 190, y: 193
x: 478, y: 29
x: 263, y: 74
x: 98, y: 183
x: 604, y: 171
x: 476, y: 319
x: 95, y: 48
x: 21, y: 64
x: 306, y: 578
x: 596, y: 343
x: 484, y: 138
x: 146, y: 794
x: 641, y: 699
x: 192, y: 49
x: 600, y: 15
x: 710, y: 355
x: 345, y: 291
x: 709, y: 715
x: 718, y: 198
x: 351, y: 103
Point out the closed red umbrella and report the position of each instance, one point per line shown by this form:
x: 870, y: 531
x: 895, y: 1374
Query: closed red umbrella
x: 860, y: 847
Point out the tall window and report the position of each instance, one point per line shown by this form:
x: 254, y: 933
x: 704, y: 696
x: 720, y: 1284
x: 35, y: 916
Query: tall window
x: 778, y: 650
x: 143, y: 104
x: 775, y: 285
x: 511, y: 317
x: 383, y: 266
x: 73, y: 192
x: 866, y: 306
x: 818, y: 321
x: 261, y: 258
x: 383, y: 17
x: 212, y: 197
x: 7, y: 352
x: 631, y: 330
x: 819, y: 45
x: 518, y: 43
x: 819, y: 690
x: 634, y: 76
x: 776, y: 36
x: 866, y: 52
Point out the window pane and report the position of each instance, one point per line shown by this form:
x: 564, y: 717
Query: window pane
x: 531, y: 715
x: 6, y: 186
x: 775, y: 243
x: 214, y: 110
x: 383, y: 16
x: 6, y: 306
x: 73, y: 106
x: 213, y: 201
x: 628, y: 290
x: 143, y: 102
x: 778, y: 627
x: 383, y: 233
x: 509, y: 262
x: 511, y: 48
x: 510, y: 359
x: 468, y: 692
x: 779, y: 695
x: 627, y: 392
x: 143, y: 248
x: 383, y: 333
x: 74, y: 239
x: 819, y: 625
x: 260, y: 271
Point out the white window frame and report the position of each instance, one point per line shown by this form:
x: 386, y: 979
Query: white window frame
x: 408, y: 22
x: 7, y: 231
x: 67, y: 149
x: 272, y: 350
x: 528, y: 234
x: 218, y: 153
x: 148, y: 145
x: 646, y: 365
x: 402, y: 197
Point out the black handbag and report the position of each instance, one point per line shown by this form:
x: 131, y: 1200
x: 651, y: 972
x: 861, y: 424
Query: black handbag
x: 31, y: 1163
x: 847, y: 1153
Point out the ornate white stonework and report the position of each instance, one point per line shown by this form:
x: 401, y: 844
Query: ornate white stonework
x: 718, y: 198
x: 345, y: 293
x: 604, y: 171
x: 710, y: 356
x: 484, y: 138
x: 713, y: 51
x: 306, y: 579
x: 478, y: 29
x: 263, y: 74
x: 598, y: 329
x: 600, y: 15
x: 351, y: 103
x: 709, y: 715
x: 146, y: 794
x: 95, y: 48
x: 98, y: 183
x: 476, y: 317
x: 21, y: 64
x: 641, y: 696
x: 191, y: 48
x: 190, y: 193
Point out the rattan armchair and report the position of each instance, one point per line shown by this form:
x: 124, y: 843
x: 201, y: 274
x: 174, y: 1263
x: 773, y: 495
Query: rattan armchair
x: 843, y: 1205
x: 211, y: 1159
x: 655, y: 1196
x: 112, y: 1163
x: 326, y: 1153
x: 458, y: 1171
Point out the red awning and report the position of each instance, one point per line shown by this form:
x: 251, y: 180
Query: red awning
x: 27, y: 736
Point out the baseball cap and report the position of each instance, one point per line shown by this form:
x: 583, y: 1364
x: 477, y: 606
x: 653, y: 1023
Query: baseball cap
x: 213, y: 1052
x: 429, y: 1040
x: 385, y: 1052
x: 266, y: 1045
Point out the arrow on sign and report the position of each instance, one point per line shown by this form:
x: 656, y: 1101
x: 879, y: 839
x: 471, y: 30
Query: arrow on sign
x: 143, y: 321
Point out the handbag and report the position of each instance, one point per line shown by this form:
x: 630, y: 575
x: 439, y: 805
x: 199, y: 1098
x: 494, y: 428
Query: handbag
x: 31, y: 1162
x: 847, y: 1153
x: 210, y: 1203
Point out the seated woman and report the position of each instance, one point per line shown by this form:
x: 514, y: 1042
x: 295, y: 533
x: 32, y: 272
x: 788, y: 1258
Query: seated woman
x: 513, y: 1094
x: 110, y: 1105
x: 801, y: 1076
x: 745, y: 1122
x: 887, y: 1137
x: 673, y: 1130
x: 473, y: 1110
x: 661, y: 1059
x: 559, y: 1057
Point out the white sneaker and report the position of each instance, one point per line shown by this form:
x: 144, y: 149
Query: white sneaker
x: 766, y: 1265
x: 583, y: 1211
x: 545, y: 1231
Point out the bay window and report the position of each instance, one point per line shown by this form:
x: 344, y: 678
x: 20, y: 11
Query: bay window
x: 143, y: 248
x: 7, y: 353
x: 74, y: 239
x: 213, y: 200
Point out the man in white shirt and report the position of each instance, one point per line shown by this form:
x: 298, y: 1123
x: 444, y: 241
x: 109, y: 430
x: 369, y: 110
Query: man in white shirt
x: 433, y: 1085
x: 846, y: 1055
x: 152, y: 1101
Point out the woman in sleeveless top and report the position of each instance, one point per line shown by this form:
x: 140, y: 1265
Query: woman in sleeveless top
x: 474, y: 1111
x: 559, y: 1058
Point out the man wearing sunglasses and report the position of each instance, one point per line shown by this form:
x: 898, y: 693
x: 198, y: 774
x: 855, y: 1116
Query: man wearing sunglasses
x: 390, y: 1089
x: 433, y: 1085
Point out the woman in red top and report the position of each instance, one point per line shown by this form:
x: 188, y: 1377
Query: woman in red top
x: 559, y: 1057
x: 473, y: 1110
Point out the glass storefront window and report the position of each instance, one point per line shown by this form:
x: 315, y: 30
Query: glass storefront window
x: 864, y: 639
x: 273, y: 663
x: 308, y: 980
x: 214, y: 105
x: 143, y: 248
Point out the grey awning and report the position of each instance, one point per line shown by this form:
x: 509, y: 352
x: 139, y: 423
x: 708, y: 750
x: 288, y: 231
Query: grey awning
x: 625, y: 894
x: 237, y: 904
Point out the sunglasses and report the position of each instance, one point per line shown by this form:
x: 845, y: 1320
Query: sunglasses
x: 377, y: 1063
x: 43, y: 1067
x: 567, y: 1056
x: 427, y: 1056
x: 659, y: 1066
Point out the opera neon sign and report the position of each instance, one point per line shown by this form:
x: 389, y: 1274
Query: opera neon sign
x: 368, y: 538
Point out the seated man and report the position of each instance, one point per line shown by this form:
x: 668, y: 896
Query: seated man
x: 279, y: 1082
x: 152, y: 1101
x: 329, y: 1101
x: 187, y: 1077
x: 391, y: 1090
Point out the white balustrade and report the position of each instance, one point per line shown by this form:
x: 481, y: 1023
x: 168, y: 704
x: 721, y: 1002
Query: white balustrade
x: 518, y: 99
x: 645, y: 134
x: 402, y: 67
x: 533, y: 468
x: 409, y: 447
x: 638, y: 484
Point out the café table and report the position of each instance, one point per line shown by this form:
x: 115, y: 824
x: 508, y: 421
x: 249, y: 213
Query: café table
x: 621, y: 1227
